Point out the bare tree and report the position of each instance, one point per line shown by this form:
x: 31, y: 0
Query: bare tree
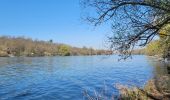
x: 134, y: 22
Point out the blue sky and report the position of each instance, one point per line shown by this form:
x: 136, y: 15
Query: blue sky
x: 59, y: 20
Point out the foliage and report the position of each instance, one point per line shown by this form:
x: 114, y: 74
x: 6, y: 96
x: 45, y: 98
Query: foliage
x: 154, y: 48
x: 64, y: 50
x: 160, y: 47
x: 165, y: 41
x: 20, y: 46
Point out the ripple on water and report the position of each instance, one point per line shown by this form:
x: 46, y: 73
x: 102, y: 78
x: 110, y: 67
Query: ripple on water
x: 66, y: 78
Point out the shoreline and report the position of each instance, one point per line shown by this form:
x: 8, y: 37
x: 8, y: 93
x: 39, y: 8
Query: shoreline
x: 53, y: 56
x: 158, y: 58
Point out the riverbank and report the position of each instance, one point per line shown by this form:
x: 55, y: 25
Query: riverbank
x: 159, y: 58
x: 155, y: 89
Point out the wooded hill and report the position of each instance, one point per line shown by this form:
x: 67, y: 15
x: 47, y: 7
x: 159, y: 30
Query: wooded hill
x: 20, y: 46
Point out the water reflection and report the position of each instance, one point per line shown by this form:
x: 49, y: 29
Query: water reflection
x: 161, y: 67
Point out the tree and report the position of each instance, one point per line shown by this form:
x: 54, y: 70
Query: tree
x: 134, y: 22
x: 165, y: 41
x: 64, y: 50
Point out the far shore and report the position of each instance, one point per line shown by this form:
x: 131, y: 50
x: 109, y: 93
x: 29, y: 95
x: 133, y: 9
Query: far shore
x: 11, y: 56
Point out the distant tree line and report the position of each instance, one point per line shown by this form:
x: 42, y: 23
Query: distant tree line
x: 20, y: 46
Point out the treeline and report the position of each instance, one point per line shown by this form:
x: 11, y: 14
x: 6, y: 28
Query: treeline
x: 139, y: 51
x: 20, y: 46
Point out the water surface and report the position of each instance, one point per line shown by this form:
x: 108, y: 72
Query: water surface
x: 66, y: 78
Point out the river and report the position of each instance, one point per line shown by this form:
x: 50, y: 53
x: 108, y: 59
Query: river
x: 66, y: 78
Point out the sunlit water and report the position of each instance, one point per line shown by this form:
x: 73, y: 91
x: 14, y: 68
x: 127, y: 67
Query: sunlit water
x: 66, y: 78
